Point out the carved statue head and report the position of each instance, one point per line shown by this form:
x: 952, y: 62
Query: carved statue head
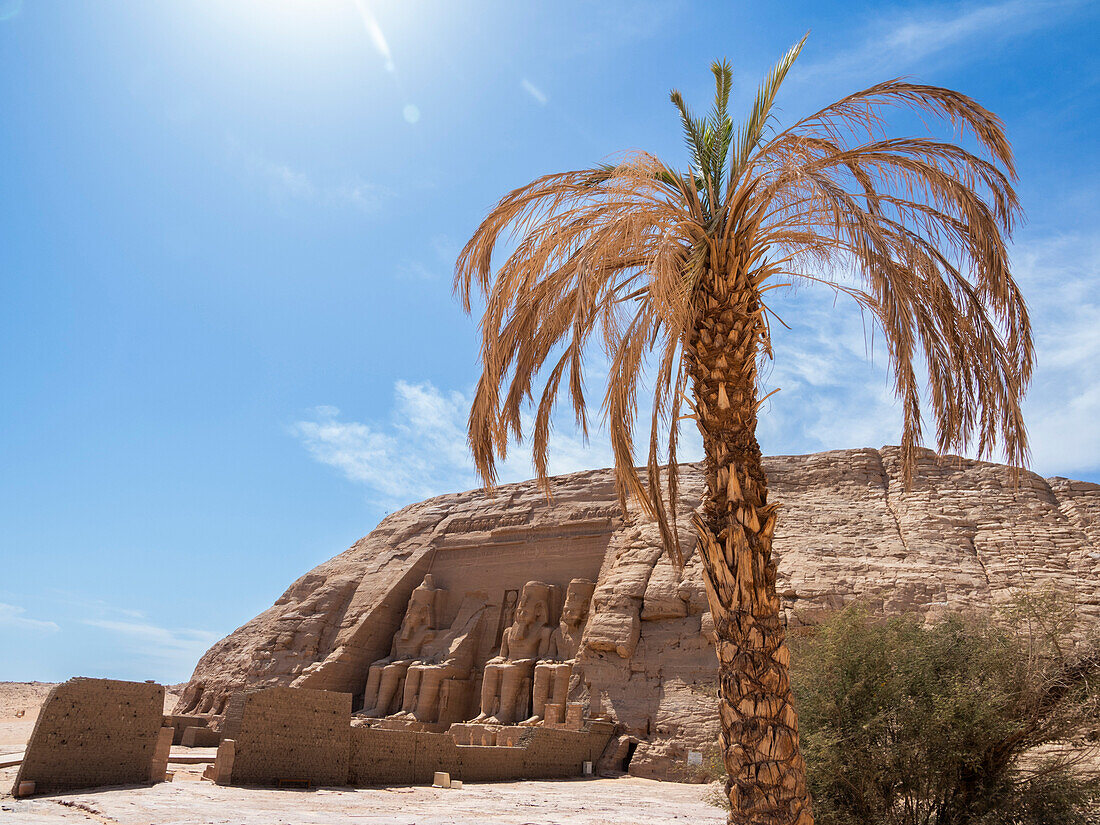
x: 533, y: 608
x: 419, y: 615
x: 577, y: 597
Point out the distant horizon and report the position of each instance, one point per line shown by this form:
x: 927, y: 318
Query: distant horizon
x: 226, y: 247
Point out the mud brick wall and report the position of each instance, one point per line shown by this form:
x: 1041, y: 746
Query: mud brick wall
x: 94, y: 732
x: 382, y: 757
x: 552, y: 752
x: 492, y: 763
x: 399, y: 757
x: 396, y: 757
x: 293, y: 733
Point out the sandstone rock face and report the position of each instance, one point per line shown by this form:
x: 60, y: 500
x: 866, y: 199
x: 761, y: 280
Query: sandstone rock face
x: 966, y: 535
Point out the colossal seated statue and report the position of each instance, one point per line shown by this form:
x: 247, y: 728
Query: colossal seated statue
x: 447, y: 658
x: 385, y: 675
x: 552, y: 674
x: 507, y: 678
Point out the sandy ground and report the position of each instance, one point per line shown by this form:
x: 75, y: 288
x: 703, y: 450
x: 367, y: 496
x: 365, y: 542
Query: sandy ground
x: 626, y: 801
x: 187, y: 800
x: 19, y: 698
x: 26, y: 698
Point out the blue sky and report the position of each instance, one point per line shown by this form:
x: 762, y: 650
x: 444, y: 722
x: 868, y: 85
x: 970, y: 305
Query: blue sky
x: 227, y: 229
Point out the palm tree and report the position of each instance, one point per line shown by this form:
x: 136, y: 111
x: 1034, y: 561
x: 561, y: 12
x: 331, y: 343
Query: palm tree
x: 673, y: 268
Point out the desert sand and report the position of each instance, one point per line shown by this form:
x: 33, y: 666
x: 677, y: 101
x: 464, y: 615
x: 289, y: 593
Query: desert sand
x: 19, y: 703
x: 592, y: 802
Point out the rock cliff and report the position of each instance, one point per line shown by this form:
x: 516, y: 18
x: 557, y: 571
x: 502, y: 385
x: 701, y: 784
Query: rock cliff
x: 967, y: 534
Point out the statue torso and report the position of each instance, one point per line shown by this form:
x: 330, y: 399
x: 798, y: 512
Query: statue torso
x: 565, y: 642
x: 409, y: 648
x: 527, y: 647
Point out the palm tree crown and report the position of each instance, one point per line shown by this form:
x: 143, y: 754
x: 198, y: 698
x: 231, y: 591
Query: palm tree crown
x: 911, y: 228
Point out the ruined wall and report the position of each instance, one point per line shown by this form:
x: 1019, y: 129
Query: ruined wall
x: 967, y: 534
x: 561, y: 753
x: 293, y: 734
x: 405, y: 757
x: 391, y: 757
x: 94, y: 732
x: 303, y: 734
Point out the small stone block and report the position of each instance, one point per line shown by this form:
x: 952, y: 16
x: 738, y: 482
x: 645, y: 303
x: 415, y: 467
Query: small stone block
x: 223, y: 762
x: 574, y: 716
x: 25, y: 788
x: 442, y: 779
x: 199, y: 737
x: 158, y: 767
x: 552, y: 715
x: 456, y: 784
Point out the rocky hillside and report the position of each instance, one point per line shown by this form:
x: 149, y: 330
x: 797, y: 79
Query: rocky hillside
x: 966, y: 535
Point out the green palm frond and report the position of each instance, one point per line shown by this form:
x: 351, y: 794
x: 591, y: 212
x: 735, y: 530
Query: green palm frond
x: 708, y: 139
x: 720, y: 122
x: 693, y: 130
x: 750, y: 132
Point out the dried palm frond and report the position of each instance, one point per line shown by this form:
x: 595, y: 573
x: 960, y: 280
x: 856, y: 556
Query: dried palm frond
x: 913, y: 229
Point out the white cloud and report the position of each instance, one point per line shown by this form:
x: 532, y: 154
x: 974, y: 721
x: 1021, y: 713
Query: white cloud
x: 67, y: 599
x: 11, y: 616
x: 411, y: 270
x: 1060, y: 278
x: 534, y: 91
x: 445, y: 253
x: 422, y: 450
x: 898, y: 40
x: 832, y: 397
x: 832, y: 393
x: 355, y: 192
x: 283, y: 178
x: 446, y: 249
x: 284, y: 182
x: 616, y: 25
x: 419, y: 453
x: 836, y: 393
x: 171, y: 650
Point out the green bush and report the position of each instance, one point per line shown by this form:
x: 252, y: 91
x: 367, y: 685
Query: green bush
x: 971, y: 720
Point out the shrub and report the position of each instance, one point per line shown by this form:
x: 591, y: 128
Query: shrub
x: 971, y: 720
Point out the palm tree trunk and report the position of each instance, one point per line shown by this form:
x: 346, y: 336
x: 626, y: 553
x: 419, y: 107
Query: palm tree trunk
x: 759, y: 726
